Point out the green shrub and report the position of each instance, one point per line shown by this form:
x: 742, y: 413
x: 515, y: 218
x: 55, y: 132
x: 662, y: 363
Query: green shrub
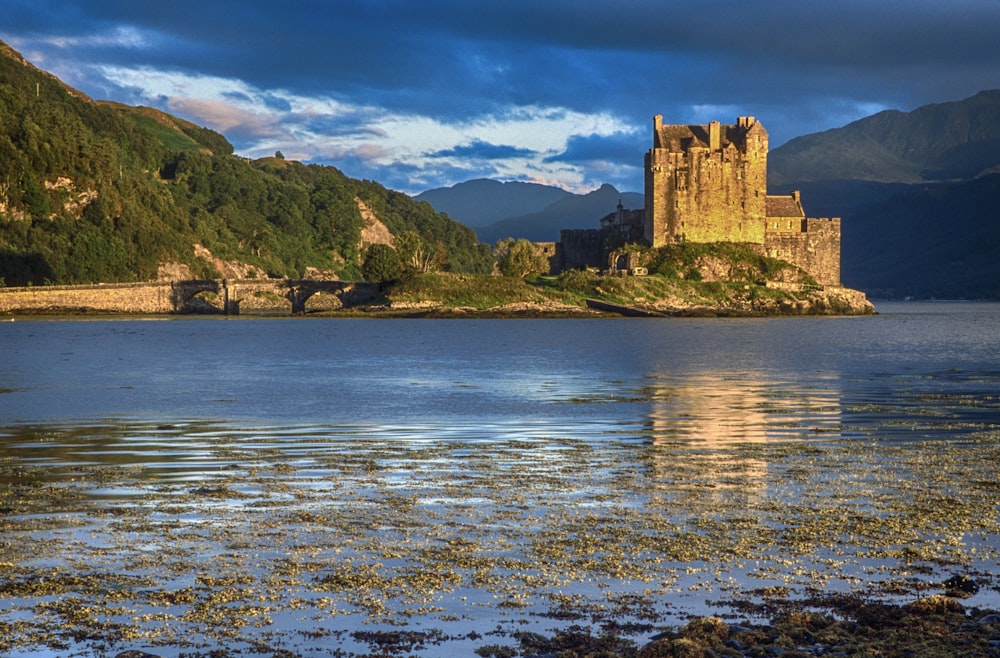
x: 520, y: 258
x: 381, y: 264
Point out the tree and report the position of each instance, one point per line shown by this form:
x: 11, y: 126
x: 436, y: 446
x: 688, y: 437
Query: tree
x: 416, y: 255
x: 520, y: 258
x: 381, y: 264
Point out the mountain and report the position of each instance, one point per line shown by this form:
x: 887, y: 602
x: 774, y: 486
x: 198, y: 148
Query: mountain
x: 934, y: 241
x: 94, y: 191
x: 573, y: 212
x: 482, y: 201
x: 946, y: 141
x: 918, y: 194
x: 525, y: 210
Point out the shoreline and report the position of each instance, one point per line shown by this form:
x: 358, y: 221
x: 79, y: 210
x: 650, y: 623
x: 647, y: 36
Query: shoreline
x: 517, y: 310
x: 435, y: 296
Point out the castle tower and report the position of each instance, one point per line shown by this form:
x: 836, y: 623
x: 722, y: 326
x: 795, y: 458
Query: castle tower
x: 706, y: 183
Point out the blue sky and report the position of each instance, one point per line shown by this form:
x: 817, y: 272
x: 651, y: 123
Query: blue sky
x: 418, y: 94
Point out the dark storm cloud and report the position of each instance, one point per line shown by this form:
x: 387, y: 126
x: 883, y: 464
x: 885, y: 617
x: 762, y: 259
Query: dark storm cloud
x: 617, y: 148
x: 799, y: 66
x: 483, y: 150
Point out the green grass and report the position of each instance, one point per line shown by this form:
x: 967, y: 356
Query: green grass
x: 172, y: 139
x: 480, y: 291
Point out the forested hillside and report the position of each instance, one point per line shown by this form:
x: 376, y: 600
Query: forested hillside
x: 100, y: 192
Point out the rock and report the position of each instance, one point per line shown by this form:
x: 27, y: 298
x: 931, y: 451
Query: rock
x: 736, y: 644
x: 133, y: 653
x: 935, y: 604
x: 960, y: 586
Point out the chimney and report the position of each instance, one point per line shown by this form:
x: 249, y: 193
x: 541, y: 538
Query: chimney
x: 657, y: 129
x: 714, y: 136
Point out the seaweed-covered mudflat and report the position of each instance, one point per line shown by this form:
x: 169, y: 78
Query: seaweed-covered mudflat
x: 575, y: 487
x: 209, y: 539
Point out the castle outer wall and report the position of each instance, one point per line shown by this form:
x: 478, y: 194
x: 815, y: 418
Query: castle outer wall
x: 815, y: 247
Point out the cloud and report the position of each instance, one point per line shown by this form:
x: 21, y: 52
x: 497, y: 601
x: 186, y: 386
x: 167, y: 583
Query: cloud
x: 515, y: 88
x: 479, y: 149
x: 619, y: 148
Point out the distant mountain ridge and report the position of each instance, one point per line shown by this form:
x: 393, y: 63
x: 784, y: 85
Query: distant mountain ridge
x: 525, y: 210
x: 957, y: 140
x: 577, y: 211
x: 482, y: 201
x: 918, y: 193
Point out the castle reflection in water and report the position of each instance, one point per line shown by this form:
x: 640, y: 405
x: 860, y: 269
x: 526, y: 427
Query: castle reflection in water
x: 710, y: 431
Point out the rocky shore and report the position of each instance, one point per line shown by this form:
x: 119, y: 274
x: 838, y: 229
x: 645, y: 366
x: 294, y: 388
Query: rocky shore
x: 828, y: 301
x: 835, y: 626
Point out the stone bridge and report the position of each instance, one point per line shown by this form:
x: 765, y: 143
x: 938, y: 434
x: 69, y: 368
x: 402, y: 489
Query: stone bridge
x: 229, y: 296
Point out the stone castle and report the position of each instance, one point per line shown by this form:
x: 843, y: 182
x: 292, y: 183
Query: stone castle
x: 708, y: 183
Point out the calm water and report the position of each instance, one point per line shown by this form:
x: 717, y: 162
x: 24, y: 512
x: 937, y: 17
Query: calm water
x: 186, y: 484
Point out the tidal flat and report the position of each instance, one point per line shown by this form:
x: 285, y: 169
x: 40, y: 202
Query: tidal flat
x: 578, y: 487
x: 208, y: 539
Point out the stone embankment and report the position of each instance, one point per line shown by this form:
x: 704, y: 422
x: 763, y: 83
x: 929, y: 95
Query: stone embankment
x: 132, y: 298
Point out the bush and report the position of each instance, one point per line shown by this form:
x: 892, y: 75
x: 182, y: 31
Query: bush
x: 520, y: 258
x: 381, y: 264
x: 579, y: 281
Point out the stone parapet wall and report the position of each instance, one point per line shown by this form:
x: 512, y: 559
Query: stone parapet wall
x: 134, y: 298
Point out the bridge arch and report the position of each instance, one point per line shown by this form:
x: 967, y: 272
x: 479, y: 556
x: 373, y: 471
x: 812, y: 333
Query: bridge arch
x: 183, y: 293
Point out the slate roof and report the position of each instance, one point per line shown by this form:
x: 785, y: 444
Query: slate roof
x: 685, y: 137
x: 784, y: 206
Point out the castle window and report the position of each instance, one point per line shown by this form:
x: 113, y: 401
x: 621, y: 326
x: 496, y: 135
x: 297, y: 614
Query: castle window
x: 680, y: 179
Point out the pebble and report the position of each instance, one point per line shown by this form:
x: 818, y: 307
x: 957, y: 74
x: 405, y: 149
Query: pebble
x: 736, y: 644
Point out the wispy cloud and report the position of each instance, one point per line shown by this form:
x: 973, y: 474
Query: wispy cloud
x: 517, y: 142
